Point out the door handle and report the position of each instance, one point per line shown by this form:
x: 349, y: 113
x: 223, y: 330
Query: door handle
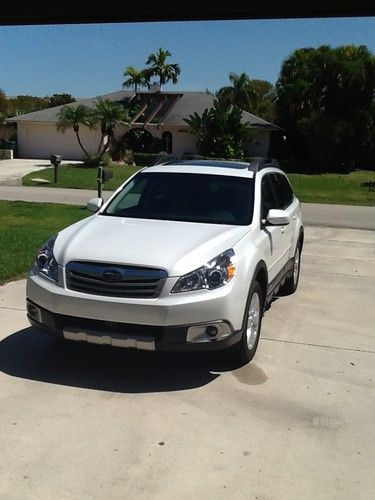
x: 282, y: 230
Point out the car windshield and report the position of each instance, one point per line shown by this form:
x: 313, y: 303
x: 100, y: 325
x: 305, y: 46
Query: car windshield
x: 207, y: 198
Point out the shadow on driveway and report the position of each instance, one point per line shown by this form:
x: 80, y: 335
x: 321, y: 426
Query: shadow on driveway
x: 37, y: 356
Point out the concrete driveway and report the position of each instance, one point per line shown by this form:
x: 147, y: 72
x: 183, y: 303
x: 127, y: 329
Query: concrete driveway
x: 87, y: 422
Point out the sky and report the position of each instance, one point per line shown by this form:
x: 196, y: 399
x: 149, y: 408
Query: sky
x: 87, y: 60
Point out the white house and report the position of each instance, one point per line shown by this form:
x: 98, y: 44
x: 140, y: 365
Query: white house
x: 160, y: 113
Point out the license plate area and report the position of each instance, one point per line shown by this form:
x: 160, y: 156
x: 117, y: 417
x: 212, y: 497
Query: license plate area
x: 126, y: 341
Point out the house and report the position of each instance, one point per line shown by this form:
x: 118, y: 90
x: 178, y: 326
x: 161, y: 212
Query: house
x: 160, y: 113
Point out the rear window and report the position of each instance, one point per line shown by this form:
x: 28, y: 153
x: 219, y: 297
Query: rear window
x: 207, y: 198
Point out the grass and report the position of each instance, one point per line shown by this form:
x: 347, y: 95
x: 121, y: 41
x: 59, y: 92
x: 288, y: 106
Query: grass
x: 347, y: 189
x: 79, y: 177
x: 24, y: 227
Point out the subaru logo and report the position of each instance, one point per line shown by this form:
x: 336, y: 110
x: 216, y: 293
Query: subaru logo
x: 112, y: 275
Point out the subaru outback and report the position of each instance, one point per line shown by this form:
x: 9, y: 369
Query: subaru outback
x: 185, y: 255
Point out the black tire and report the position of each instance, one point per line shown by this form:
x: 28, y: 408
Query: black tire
x: 244, y: 350
x: 291, y: 283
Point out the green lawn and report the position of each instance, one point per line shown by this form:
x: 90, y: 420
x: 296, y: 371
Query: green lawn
x: 345, y: 189
x: 316, y: 188
x: 24, y: 227
x: 77, y: 176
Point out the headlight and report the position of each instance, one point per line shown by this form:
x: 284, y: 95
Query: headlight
x: 45, y: 262
x: 212, y: 275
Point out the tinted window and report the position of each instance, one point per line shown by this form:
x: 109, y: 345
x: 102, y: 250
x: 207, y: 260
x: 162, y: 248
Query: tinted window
x: 215, y: 199
x: 267, y: 195
x: 283, y: 191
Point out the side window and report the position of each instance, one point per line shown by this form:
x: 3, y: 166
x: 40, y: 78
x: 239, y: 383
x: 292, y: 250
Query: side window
x: 267, y: 196
x: 283, y: 191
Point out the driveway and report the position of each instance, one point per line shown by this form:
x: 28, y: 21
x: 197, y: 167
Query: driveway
x: 12, y: 171
x: 89, y: 422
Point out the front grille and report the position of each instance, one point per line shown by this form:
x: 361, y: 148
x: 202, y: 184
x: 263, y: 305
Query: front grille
x: 115, y: 280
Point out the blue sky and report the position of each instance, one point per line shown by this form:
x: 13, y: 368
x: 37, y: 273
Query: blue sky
x: 87, y: 60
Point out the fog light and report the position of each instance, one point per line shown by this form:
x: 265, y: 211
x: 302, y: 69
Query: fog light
x: 212, y: 330
x: 34, y: 312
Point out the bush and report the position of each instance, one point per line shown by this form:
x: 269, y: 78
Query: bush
x: 97, y: 161
x: 145, y: 159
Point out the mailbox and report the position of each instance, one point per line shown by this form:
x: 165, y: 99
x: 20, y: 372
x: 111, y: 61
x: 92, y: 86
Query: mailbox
x: 55, y: 160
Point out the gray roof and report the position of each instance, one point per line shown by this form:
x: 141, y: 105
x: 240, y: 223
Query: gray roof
x: 181, y: 106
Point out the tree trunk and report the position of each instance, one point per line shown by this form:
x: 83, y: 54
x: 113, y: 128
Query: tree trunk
x: 80, y: 143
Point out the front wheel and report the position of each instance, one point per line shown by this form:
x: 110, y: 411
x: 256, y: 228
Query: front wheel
x: 245, y: 349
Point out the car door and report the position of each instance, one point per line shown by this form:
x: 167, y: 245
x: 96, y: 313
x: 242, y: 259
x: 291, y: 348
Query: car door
x: 272, y: 235
x: 286, y: 201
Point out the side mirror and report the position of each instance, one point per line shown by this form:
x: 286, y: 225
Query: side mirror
x: 278, y: 217
x: 94, y: 204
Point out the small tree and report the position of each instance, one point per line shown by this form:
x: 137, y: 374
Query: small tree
x: 73, y: 117
x: 108, y: 113
x: 220, y: 131
x: 136, y: 78
x: 158, y: 66
x: 105, y: 113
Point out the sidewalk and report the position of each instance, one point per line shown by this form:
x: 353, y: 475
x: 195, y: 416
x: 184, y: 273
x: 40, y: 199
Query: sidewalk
x: 314, y: 214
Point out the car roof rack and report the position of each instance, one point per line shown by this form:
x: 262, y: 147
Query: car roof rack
x: 257, y: 164
x: 254, y: 165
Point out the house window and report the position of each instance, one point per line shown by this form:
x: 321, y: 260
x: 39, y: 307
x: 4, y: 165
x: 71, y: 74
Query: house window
x: 167, y: 139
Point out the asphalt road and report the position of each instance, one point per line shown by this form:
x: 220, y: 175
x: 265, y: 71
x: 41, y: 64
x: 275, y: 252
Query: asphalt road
x: 94, y: 422
x: 322, y: 215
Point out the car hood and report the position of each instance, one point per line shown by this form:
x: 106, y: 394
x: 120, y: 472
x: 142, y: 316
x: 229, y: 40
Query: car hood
x: 177, y: 247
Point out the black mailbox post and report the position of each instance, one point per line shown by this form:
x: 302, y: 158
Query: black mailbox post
x: 55, y: 160
x: 104, y: 174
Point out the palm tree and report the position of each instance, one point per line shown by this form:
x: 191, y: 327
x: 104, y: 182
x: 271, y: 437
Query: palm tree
x: 108, y: 114
x: 158, y: 66
x: 73, y: 117
x: 137, y: 77
x: 240, y: 93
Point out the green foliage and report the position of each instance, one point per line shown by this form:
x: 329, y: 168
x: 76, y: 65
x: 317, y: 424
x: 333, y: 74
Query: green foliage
x: 136, y: 78
x: 220, y: 131
x: 59, y: 100
x: 106, y: 114
x: 157, y: 66
x: 145, y: 159
x: 73, y: 117
x: 254, y: 96
x: 325, y: 100
x: 23, y: 104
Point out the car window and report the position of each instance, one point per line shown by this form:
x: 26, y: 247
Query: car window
x: 216, y: 199
x: 268, y: 200
x: 283, y: 191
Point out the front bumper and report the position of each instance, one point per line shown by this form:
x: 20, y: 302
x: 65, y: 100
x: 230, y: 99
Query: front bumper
x: 144, y: 337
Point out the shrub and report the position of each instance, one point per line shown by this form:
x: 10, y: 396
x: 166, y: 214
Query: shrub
x: 145, y: 159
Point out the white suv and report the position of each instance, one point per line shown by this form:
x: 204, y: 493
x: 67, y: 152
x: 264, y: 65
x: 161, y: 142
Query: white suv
x: 183, y: 256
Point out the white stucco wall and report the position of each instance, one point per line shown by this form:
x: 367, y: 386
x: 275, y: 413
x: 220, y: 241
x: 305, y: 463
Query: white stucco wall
x: 40, y: 140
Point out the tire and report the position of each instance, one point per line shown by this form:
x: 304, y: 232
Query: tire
x: 291, y: 284
x: 245, y: 349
